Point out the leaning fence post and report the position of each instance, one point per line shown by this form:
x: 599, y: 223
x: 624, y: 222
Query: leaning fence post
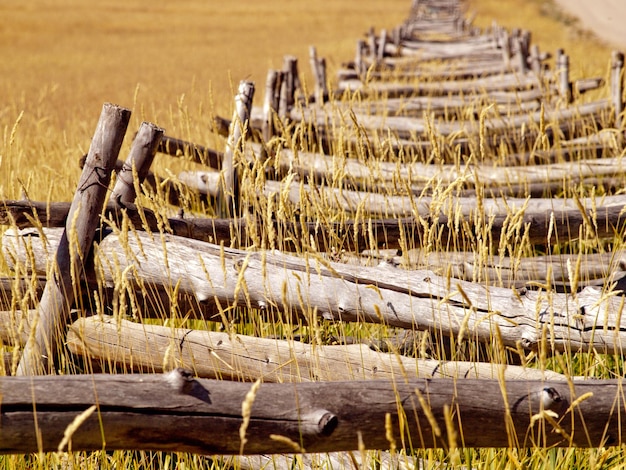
x: 141, y: 155
x: 617, y: 70
x: 228, y: 204
x: 82, y: 220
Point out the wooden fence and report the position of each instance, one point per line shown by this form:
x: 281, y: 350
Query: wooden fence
x: 477, y: 134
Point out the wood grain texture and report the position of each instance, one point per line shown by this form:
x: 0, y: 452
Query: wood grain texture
x: 82, y: 221
x: 288, y: 285
x: 177, y: 412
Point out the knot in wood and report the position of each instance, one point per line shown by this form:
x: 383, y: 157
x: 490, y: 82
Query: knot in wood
x: 238, y: 264
x: 181, y: 380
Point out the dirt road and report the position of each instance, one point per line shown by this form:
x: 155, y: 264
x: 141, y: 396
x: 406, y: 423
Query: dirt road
x: 604, y: 17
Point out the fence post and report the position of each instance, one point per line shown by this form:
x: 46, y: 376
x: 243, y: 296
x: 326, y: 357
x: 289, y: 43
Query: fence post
x: 290, y: 83
x: 371, y: 39
x: 505, y: 44
x: 359, y: 63
x: 141, y: 155
x: 273, y: 84
x: 535, y: 60
x: 562, y: 61
x: 82, y: 220
x: 228, y: 204
x: 617, y: 70
x: 318, y: 67
x: 381, y: 45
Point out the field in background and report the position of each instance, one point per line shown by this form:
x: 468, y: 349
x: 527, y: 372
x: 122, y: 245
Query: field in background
x: 175, y: 64
x: 171, y: 62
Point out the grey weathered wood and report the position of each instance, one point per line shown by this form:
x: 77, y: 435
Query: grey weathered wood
x: 562, y: 63
x: 139, y: 160
x: 109, y: 342
x: 535, y: 60
x: 617, y: 89
x: 175, y: 412
x: 197, y: 153
x: 506, y: 128
x: 506, y: 82
x: 600, y: 269
x: 382, y: 42
x: 589, y: 319
x: 83, y: 219
x: 318, y: 69
x: 271, y: 103
x: 290, y: 83
x: 229, y: 201
x: 359, y: 60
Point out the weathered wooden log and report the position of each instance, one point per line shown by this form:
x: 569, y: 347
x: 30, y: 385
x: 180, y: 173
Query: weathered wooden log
x: 228, y: 204
x: 617, y: 88
x: 564, y: 122
x: 109, y: 342
x: 75, y: 243
x: 271, y: 104
x: 139, y: 160
x: 289, y: 85
x: 315, y: 461
x: 292, y: 84
x: 430, y: 73
x: 599, y: 269
x: 416, y: 107
x: 289, y: 285
x: 536, y: 216
x: 318, y: 68
x: 176, y: 412
x: 564, y: 85
x: 198, y: 153
x: 504, y: 82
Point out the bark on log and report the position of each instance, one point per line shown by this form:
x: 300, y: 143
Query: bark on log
x: 603, y: 217
x: 228, y: 205
x: 140, y: 159
x: 617, y: 88
x: 419, y: 176
x: 108, y: 343
x: 288, y: 285
x: 198, y: 153
x: 566, y: 123
x: 175, y: 412
x: 75, y: 244
x: 558, y: 219
x: 271, y: 104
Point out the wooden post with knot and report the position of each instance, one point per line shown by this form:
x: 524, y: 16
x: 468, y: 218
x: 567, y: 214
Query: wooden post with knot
x: 83, y: 219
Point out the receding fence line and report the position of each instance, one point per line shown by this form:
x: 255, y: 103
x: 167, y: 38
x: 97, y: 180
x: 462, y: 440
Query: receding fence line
x: 324, y: 417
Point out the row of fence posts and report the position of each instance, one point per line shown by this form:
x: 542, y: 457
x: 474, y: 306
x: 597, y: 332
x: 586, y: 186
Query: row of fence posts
x: 101, y: 159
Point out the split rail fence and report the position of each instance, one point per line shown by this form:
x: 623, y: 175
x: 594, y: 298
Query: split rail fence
x: 477, y: 135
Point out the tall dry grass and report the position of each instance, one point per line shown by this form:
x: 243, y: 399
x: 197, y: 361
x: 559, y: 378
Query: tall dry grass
x: 175, y: 64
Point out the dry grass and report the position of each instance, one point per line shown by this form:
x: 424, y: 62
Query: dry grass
x: 172, y: 63
x: 175, y: 64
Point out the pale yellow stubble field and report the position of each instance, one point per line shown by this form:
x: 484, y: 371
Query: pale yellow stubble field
x: 173, y: 63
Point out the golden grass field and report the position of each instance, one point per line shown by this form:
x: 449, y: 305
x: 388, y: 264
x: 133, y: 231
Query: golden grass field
x: 175, y: 64
x: 172, y: 63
